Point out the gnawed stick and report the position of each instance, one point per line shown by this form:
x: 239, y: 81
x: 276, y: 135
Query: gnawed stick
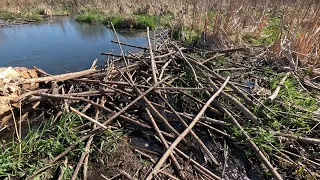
x: 292, y: 163
x: 65, y: 164
x: 186, y: 60
x: 151, y: 107
x: 125, y: 118
x: 83, y: 155
x: 85, y: 167
x: 38, y: 172
x: 41, y: 71
x: 170, y: 176
x: 153, y: 63
x: 199, y: 101
x: 154, y: 110
x: 145, y: 155
x: 62, y: 77
x: 86, y: 160
x: 25, y: 115
x: 226, y: 50
x: 23, y: 96
x: 301, y: 139
x: 128, y: 176
x: 70, y: 148
x: 217, y: 131
x: 157, y: 88
x: 185, y: 132
x: 277, y: 90
x: 130, y: 45
x: 302, y: 157
x: 88, y: 118
x: 93, y: 66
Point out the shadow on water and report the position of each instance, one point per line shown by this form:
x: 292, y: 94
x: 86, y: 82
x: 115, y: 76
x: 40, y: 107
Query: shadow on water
x: 61, y: 44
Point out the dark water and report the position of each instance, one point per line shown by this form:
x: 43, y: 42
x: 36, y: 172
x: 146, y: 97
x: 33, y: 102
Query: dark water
x: 61, y: 45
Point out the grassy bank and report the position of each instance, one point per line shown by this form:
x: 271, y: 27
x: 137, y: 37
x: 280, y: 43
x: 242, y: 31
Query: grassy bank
x: 34, y: 14
x: 136, y: 21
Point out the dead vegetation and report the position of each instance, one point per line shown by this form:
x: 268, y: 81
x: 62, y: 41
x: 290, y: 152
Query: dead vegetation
x: 290, y: 29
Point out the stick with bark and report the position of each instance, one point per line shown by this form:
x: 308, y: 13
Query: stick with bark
x: 62, y: 77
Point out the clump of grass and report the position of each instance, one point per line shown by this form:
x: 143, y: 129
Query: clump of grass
x: 120, y: 22
x: 34, y: 16
x: 144, y: 21
x: 135, y: 22
x: 7, y: 16
x: 90, y: 16
x: 141, y: 21
x: 292, y: 111
x: 46, y: 142
x: 269, y: 33
x: 296, y: 107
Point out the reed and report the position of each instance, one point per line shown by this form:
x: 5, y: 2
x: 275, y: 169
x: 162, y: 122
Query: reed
x: 290, y: 27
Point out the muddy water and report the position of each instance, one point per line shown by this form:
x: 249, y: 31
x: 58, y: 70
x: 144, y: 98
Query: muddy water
x: 61, y: 44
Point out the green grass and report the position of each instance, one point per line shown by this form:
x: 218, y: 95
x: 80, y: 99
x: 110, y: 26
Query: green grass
x: 294, y: 98
x: 287, y: 114
x: 133, y: 22
x: 7, y: 16
x: 90, y: 16
x: 46, y: 142
x: 269, y: 33
x: 144, y: 21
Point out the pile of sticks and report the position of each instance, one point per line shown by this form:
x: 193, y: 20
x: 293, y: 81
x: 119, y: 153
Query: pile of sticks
x: 157, y: 89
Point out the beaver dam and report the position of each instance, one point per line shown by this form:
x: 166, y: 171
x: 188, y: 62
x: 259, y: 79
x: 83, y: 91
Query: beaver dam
x: 166, y: 112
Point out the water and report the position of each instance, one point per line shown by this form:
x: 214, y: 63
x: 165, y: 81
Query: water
x: 61, y: 45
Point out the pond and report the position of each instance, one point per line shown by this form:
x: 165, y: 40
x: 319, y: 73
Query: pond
x: 61, y: 45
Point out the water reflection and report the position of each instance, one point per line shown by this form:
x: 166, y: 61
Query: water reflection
x: 60, y: 44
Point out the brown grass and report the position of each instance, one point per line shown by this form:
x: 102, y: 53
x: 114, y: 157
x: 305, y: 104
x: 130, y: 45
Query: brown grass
x: 223, y: 21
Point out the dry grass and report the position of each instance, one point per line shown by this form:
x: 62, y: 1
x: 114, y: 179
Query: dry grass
x: 291, y: 26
